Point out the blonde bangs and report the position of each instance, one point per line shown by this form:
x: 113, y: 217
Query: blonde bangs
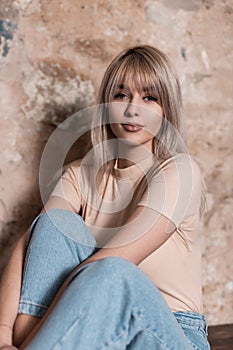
x: 136, y: 70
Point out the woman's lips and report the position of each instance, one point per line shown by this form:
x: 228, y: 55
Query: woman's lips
x: 132, y: 127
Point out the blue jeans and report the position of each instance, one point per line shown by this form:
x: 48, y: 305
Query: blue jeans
x: 108, y: 304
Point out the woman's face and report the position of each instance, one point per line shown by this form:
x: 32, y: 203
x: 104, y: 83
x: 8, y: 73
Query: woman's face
x: 135, y: 116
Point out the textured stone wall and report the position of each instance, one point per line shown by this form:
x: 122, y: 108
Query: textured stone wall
x: 52, y: 57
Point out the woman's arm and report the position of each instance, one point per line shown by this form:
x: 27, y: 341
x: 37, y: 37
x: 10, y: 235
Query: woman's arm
x: 145, y: 231
x: 10, y: 290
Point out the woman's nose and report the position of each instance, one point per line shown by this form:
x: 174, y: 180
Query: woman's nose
x: 132, y: 110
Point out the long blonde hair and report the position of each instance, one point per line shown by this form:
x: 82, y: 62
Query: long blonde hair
x: 145, y: 66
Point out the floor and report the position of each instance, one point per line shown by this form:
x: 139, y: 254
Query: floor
x: 221, y: 337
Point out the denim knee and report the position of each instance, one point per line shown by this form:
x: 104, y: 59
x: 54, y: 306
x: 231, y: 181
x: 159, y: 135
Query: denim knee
x: 67, y: 223
x: 115, y: 271
x: 109, y: 270
x: 59, y: 241
x: 116, y: 268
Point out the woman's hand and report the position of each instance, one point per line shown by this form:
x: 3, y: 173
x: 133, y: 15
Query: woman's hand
x: 6, y: 338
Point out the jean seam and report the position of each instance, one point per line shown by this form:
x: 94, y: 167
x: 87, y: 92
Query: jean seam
x: 108, y: 346
x: 141, y: 314
x: 59, y: 343
x: 157, y: 338
x: 33, y: 304
x: 201, y: 332
x: 196, y: 328
x: 118, y: 337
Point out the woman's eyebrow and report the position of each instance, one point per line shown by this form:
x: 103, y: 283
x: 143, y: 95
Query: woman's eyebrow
x: 146, y: 89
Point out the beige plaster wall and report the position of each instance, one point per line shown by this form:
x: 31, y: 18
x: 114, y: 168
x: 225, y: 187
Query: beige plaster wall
x: 52, y: 57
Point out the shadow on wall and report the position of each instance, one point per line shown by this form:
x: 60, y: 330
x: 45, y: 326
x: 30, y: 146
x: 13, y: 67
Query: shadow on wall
x: 27, y: 207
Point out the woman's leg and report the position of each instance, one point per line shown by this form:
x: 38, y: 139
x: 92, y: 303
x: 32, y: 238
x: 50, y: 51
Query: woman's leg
x: 59, y: 241
x: 110, y: 304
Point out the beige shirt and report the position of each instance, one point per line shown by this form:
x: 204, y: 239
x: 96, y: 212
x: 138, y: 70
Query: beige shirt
x: 172, y: 189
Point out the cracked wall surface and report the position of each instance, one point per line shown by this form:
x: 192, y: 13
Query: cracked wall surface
x: 52, y: 57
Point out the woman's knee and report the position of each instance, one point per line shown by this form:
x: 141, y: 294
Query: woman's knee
x: 117, y: 266
x: 112, y: 271
x: 51, y: 256
x: 54, y: 219
x: 122, y: 276
x: 63, y: 223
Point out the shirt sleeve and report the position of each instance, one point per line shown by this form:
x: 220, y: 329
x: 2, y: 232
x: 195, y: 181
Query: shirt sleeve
x: 174, y: 189
x: 67, y: 188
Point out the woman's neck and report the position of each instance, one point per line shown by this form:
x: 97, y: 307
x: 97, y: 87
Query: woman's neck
x: 124, y: 163
x: 129, y: 154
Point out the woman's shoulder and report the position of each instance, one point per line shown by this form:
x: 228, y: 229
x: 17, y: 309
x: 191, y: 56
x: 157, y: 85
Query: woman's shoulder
x: 73, y: 166
x: 179, y: 171
x: 183, y: 162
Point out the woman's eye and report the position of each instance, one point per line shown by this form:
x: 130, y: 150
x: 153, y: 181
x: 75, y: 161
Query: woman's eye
x: 150, y: 98
x: 120, y: 96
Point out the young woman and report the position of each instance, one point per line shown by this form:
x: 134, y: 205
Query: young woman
x: 114, y: 260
